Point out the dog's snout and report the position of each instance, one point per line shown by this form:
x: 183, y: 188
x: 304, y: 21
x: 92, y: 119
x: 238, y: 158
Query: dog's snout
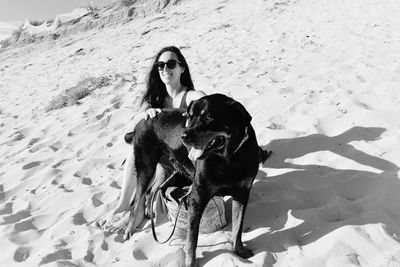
x: 186, y: 136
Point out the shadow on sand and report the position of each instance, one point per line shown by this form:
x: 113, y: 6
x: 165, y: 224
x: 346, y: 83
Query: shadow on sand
x: 321, y: 199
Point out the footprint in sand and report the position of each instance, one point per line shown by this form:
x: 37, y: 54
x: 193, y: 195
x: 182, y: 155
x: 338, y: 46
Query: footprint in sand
x: 62, y: 254
x: 56, y: 146
x: 7, y: 209
x: 21, y: 254
x: 79, y: 219
x: 78, y: 174
x: 61, y: 245
x: 62, y: 186
x: 104, y: 245
x: 139, y: 255
x: 119, y: 238
x: 31, y: 165
x: 36, y: 148
x: 24, y: 226
x: 58, y: 164
x: 101, y: 115
x: 116, y: 105
x: 89, y: 253
x: 86, y: 181
x: 14, y: 218
x: 115, y: 185
x: 19, y: 136
x: 111, y: 166
x: 95, y: 200
x: 33, y: 141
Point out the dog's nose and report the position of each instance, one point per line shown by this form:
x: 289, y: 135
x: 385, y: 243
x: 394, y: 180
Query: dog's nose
x: 186, y: 136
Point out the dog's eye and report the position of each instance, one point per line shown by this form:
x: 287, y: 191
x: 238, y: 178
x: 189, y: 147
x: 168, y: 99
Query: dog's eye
x: 206, y: 117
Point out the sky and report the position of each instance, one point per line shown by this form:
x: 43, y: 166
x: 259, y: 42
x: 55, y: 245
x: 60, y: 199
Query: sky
x: 20, y: 10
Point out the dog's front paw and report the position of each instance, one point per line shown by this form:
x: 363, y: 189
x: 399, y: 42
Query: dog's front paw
x: 190, y: 261
x: 191, y: 264
x: 244, y: 252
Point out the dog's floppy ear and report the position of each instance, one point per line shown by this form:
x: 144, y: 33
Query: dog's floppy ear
x: 240, y: 111
x: 129, y: 137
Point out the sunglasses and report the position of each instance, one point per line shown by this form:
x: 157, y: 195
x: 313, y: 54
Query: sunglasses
x: 171, y: 64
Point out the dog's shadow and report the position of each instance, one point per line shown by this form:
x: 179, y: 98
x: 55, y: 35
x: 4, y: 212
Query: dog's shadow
x: 301, y: 203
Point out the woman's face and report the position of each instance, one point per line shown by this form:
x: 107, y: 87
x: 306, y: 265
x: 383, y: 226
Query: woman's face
x: 167, y: 75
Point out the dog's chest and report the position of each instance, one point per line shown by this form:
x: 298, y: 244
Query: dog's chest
x: 221, y: 171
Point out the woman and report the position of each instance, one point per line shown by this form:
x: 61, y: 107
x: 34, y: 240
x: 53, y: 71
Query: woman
x: 169, y: 85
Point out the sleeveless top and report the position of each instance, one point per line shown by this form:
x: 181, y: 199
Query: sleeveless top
x: 183, y: 101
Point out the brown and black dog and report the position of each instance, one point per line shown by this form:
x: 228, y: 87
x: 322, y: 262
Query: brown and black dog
x: 216, y: 134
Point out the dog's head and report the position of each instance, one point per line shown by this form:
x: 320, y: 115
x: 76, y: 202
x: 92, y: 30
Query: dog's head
x: 213, y: 122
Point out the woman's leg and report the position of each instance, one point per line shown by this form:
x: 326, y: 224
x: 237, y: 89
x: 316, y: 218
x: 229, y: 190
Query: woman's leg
x: 128, y: 183
x: 116, y: 219
x: 162, y: 173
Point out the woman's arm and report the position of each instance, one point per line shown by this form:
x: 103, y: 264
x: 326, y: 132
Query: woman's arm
x: 146, y: 111
x: 151, y: 113
x: 145, y: 106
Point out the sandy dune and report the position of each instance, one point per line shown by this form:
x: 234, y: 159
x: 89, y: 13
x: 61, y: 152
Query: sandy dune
x: 321, y: 80
x: 6, y: 29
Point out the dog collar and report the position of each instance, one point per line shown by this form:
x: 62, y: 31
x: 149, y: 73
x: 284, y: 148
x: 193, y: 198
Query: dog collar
x: 245, y: 137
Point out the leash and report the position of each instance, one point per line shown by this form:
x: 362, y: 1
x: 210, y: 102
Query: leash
x: 181, y: 201
x: 245, y: 138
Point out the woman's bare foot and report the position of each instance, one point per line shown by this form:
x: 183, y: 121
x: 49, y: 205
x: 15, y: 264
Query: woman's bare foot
x: 115, y: 221
x: 119, y: 225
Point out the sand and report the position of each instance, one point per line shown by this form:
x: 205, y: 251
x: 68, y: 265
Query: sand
x: 321, y: 80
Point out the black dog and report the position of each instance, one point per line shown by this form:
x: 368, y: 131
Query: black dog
x: 224, y: 148
x: 157, y: 141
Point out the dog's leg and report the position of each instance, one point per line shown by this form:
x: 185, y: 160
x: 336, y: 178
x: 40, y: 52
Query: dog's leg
x: 145, y: 164
x: 239, y: 205
x: 198, y: 200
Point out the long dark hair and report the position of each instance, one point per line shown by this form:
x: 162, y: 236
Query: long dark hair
x: 156, y: 92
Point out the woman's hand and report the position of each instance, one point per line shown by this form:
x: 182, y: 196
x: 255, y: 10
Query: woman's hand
x: 151, y: 113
